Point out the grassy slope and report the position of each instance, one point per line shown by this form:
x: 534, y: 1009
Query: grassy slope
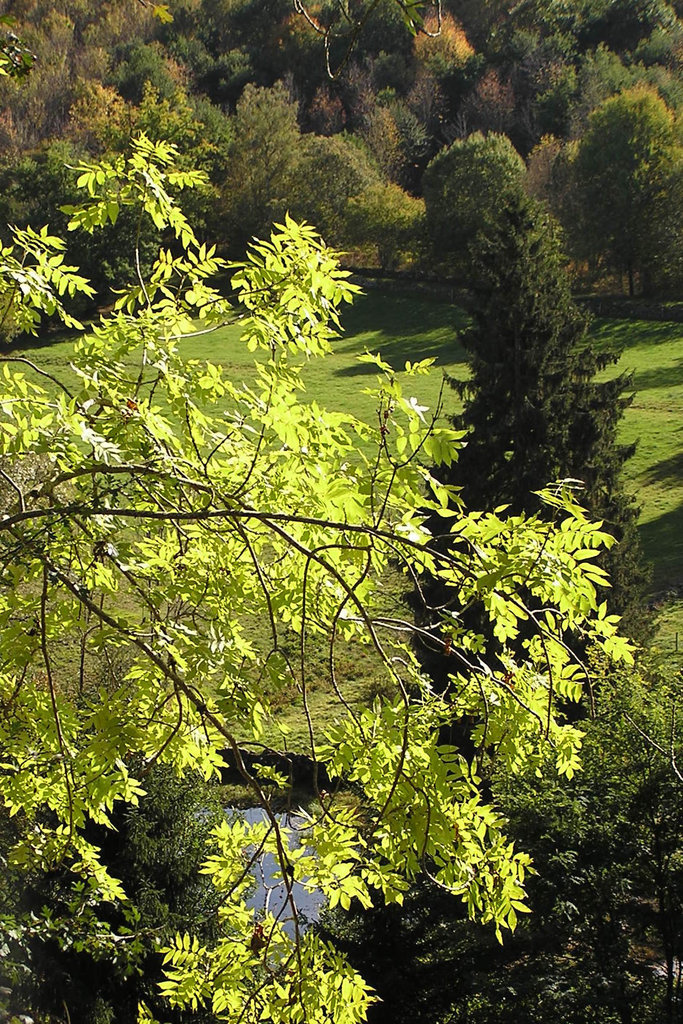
x: 654, y: 352
x: 406, y: 328
x: 399, y: 328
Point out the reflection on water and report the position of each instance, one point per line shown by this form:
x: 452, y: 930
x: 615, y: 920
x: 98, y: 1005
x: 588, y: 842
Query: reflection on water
x: 270, y: 894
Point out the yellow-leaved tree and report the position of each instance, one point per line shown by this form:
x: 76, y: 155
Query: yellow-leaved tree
x: 155, y: 508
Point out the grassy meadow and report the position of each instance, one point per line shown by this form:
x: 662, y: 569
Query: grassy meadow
x: 399, y: 328
x: 413, y: 328
x: 404, y: 328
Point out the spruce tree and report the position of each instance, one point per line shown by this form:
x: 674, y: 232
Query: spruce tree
x: 533, y: 405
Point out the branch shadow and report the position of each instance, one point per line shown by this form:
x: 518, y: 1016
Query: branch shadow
x: 661, y: 377
x: 668, y: 470
x: 30, y: 342
x: 625, y: 334
x: 412, y: 329
x: 662, y: 541
x: 397, y: 351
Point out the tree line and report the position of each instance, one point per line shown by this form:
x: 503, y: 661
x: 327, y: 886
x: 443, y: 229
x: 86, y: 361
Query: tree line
x: 580, y: 102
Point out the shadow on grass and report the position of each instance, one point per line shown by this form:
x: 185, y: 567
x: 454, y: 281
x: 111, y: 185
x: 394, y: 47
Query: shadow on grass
x: 662, y: 541
x: 630, y: 333
x: 401, y: 329
x: 667, y: 471
x: 662, y: 377
x: 398, y: 351
x: 48, y: 339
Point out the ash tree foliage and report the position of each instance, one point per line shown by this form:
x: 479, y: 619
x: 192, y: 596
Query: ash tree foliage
x: 608, y: 884
x: 155, y: 849
x: 154, y: 509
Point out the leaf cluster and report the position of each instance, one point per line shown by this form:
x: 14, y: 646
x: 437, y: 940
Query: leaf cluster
x: 174, y: 504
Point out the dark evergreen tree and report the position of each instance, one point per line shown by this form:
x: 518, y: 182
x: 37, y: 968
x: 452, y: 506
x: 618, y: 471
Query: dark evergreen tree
x: 156, y: 850
x: 603, y: 941
x: 537, y: 412
x: 534, y: 407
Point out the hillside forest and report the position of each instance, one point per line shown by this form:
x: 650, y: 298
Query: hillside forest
x: 397, y: 157
x: 332, y: 682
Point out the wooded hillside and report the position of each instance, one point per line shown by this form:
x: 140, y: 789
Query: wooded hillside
x: 587, y: 94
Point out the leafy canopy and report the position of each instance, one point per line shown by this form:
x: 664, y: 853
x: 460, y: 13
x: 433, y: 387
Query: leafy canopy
x: 466, y: 188
x: 629, y: 166
x: 195, y: 534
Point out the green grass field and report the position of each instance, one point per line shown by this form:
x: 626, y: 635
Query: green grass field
x: 408, y: 328
x: 404, y: 328
x: 654, y: 353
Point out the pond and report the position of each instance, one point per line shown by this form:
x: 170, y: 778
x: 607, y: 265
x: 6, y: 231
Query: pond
x: 270, y: 894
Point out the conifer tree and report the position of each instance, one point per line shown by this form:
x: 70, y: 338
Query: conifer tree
x: 533, y: 406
